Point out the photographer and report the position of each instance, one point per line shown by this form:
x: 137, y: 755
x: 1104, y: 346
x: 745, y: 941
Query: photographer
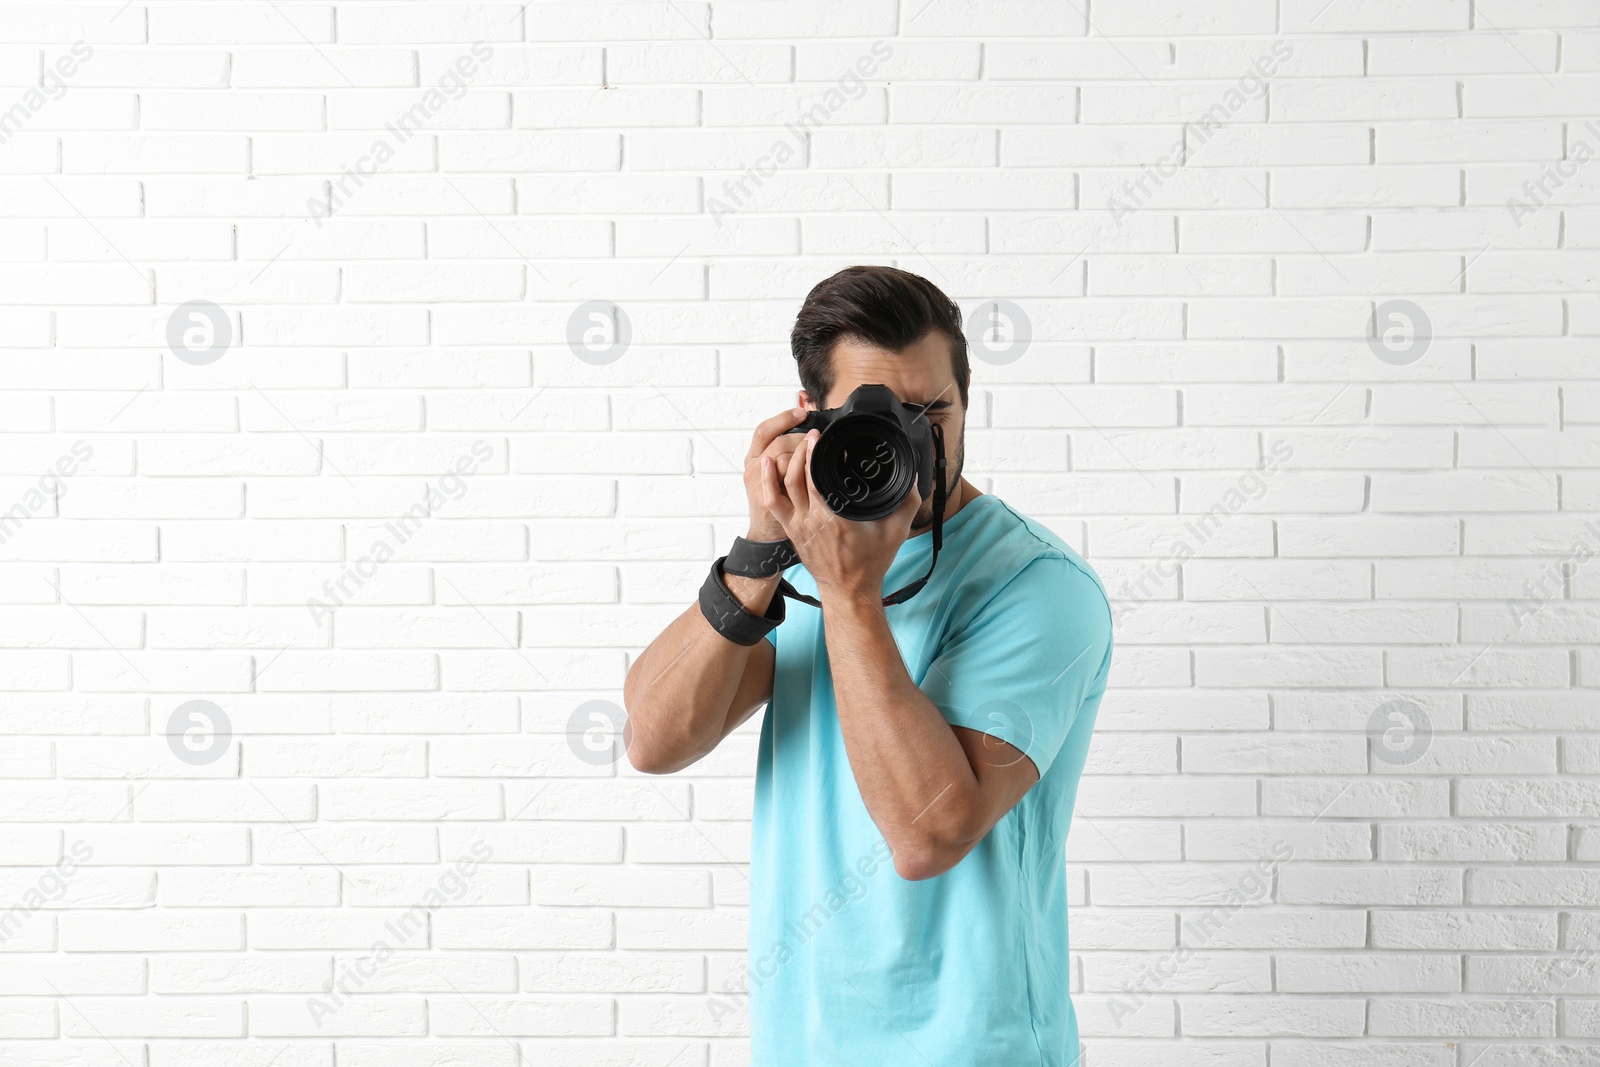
x: 950, y: 724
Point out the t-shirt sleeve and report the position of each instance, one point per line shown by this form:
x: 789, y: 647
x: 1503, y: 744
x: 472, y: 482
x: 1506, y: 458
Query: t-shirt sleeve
x: 1022, y: 668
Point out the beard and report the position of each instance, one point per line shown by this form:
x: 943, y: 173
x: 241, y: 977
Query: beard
x: 955, y: 462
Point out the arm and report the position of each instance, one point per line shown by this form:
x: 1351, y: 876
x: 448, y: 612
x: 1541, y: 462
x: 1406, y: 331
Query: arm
x: 692, y: 687
x: 933, y: 790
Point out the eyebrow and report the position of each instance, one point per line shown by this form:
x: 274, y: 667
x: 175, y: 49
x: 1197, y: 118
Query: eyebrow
x: 937, y: 405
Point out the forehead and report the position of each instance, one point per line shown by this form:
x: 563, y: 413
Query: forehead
x: 918, y: 374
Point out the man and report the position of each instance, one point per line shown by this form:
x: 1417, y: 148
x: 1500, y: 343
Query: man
x: 945, y: 733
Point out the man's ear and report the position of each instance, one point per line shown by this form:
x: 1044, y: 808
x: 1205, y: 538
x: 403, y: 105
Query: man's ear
x: 803, y: 398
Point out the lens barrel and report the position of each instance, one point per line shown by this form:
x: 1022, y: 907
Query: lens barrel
x: 871, y: 451
x: 863, y: 467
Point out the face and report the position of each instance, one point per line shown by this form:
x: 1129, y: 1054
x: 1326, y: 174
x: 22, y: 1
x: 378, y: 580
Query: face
x: 922, y: 375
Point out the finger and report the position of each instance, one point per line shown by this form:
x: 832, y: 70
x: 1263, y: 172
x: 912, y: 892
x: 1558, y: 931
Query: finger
x: 814, y: 496
x: 785, y: 443
x: 907, y: 511
x: 771, y: 428
x: 772, y: 494
x: 798, y: 476
x: 795, y: 473
x: 784, y: 447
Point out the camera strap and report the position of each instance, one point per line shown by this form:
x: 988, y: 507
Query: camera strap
x: 939, y: 498
x: 729, y: 617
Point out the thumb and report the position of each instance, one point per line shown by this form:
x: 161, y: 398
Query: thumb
x: 908, y: 507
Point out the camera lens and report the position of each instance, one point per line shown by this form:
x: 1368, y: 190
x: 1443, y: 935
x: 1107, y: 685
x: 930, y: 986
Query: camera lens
x: 864, y: 467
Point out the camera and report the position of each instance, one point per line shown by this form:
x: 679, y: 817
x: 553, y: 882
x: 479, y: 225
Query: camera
x: 870, y: 453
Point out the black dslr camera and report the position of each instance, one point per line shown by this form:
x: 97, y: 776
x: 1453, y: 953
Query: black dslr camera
x: 872, y: 449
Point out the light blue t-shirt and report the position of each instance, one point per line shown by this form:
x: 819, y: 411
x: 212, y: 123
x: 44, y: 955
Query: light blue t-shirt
x: 852, y: 965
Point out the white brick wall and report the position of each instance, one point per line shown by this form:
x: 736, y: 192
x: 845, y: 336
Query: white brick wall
x: 404, y: 851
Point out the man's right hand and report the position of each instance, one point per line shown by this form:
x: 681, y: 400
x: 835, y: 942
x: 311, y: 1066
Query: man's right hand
x: 770, y: 440
x: 691, y: 686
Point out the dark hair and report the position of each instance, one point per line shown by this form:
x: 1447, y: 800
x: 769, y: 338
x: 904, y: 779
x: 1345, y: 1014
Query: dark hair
x: 892, y: 309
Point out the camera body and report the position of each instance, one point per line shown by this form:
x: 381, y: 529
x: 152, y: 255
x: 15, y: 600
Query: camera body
x: 871, y: 451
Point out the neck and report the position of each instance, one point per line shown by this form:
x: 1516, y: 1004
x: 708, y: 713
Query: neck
x: 960, y: 497
x: 961, y: 494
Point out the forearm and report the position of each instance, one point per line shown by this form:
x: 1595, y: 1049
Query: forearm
x: 692, y: 686
x: 913, y: 773
x: 680, y: 690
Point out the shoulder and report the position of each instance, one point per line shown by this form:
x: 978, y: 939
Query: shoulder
x: 1031, y: 564
x: 1015, y: 543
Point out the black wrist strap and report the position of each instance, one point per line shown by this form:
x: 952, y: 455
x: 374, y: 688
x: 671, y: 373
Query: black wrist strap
x: 760, y: 559
x: 729, y: 617
x: 899, y: 596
